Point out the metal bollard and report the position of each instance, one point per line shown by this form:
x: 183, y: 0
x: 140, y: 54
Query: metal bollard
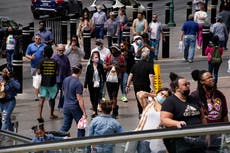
x: 149, y: 12
x: 135, y: 11
x: 73, y: 25
x: 18, y: 68
x: 87, y: 42
x: 213, y: 10
x: 114, y: 40
x: 206, y: 38
x: 27, y: 36
x: 189, y: 9
x: 167, y: 12
x: 126, y: 34
x: 166, y: 44
x: 64, y: 32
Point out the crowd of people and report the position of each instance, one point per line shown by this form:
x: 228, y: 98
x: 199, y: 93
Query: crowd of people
x: 121, y: 64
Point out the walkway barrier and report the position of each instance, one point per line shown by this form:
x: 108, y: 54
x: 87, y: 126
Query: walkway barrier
x: 189, y: 9
x: 73, y: 145
x: 87, y: 42
x: 54, y: 25
x: 166, y: 44
x: 206, y: 38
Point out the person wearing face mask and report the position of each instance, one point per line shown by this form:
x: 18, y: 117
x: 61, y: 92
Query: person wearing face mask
x: 94, y: 80
x: 150, y: 119
x: 98, y: 20
x: 63, y: 72
x: 181, y: 109
x: 104, y: 51
x: 212, y: 101
x: 135, y: 47
x: 46, y: 35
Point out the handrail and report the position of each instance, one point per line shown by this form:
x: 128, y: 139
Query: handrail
x: 121, y: 138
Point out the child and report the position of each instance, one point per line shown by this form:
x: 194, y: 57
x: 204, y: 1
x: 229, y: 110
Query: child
x: 103, y: 125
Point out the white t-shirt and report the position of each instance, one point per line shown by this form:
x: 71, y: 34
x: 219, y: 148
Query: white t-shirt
x: 103, y: 52
x: 200, y: 17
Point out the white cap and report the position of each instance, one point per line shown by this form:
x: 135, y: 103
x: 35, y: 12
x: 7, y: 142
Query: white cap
x: 136, y: 37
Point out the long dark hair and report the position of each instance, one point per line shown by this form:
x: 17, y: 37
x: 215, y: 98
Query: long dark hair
x: 77, y: 42
x: 174, y: 80
x: 197, y: 76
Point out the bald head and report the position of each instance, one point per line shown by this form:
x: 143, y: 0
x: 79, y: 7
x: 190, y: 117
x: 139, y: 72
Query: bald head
x: 60, y: 49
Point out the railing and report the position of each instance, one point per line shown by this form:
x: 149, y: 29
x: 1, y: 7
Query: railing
x: 120, y: 138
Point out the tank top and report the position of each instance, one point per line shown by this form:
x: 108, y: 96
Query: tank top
x: 140, y: 26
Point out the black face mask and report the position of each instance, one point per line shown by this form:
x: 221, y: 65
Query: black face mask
x: 186, y: 93
x: 209, y: 88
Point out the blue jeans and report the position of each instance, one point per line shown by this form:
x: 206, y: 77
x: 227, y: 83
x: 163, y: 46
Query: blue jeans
x: 6, y: 109
x: 214, y: 69
x: 9, y: 58
x: 99, y: 31
x: 70, y: 114
x: 189, y: 47
x: 155, y: 43
x: 124, y: 80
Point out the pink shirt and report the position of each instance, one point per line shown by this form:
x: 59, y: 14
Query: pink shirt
x: 209, y: 50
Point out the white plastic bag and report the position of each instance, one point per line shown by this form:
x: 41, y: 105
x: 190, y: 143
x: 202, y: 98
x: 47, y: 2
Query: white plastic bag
x: 228, y: 66
x: 180, y: 46
x: 37, y: 81
x: 82, y: 123
x: 112, y: 76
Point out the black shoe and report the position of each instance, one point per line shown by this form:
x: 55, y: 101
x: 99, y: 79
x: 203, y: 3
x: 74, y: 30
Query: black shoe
x: 115, y: 112
x: 40, y: 120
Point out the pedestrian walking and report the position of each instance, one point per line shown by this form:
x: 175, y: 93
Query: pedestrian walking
x: 74, y: 107
x: 139, y: 25
x: 219, y: 29
x: 180, y: 110
x: 9, y: 88
x: 197, y: 4
x: 34, y: 53
x: 112, y: 28
x: 135, y: 47
x: 48, y: 69
x: 46, y: 35
x: 189, y: 31
x: 122, y: 20
x: 74, y: 52
x: 104, y: 51
x: 142, y: 75
x: 214, y: 53
x: 63, y: 72
x: 98, y: 20
x: 94, y: 80
x: 155, y: 32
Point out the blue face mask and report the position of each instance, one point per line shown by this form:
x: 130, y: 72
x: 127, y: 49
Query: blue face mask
x: 160, y: 99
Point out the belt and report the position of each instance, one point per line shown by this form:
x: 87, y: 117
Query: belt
x: 153, y: 39
x: 98, y: 25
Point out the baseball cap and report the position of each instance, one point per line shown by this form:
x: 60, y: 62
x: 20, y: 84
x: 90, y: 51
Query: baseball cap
x: 99, y: 40
x: 136, y: 37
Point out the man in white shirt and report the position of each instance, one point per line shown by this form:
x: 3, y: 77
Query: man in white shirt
x: 101, y: 48
x: 155, y: 31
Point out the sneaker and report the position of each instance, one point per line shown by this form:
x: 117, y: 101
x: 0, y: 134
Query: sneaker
x: 36, y: 99
x: 190, y: 61
x: 124, y: 99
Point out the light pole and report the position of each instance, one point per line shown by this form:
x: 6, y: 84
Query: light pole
x: 171, y: 17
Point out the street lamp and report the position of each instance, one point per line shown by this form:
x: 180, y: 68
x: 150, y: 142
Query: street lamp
x: 171, y: 22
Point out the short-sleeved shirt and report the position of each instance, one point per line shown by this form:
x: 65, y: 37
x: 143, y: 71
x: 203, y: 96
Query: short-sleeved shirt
x: 48, y: 68
x: 190, y: 28
x: 37, y: 50
x: 46, y: 35
x: 188, y: 111
x: 217, y: 107
x: 141, y: 72
x: 71, y: 86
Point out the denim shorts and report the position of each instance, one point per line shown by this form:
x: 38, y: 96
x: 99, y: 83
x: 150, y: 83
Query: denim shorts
x: 48, y: 92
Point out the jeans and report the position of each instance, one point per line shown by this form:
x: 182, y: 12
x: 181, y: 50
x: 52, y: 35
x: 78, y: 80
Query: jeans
x: 189, y: 47
x: 6, y: 109
x: 143, y: 147
x: 124, y: 80
x: 99, y: 31
x: 214, y: 69
x: 70, y: 114
x: 155, y: 43
x: 9, y: 58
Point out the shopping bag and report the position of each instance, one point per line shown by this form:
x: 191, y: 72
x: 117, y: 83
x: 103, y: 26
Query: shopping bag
x: 131, y: 147
x: 82, y: 123
x: 112, y: 76
x: 180, y: 46
x: 37, y: 81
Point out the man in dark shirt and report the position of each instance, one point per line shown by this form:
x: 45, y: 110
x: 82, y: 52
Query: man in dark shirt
x: 142, y: 75
x: 48, y: 69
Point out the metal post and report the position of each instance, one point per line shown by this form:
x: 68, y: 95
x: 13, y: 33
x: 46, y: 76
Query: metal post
x: 73, y: 25
x: 135, y: 11
x: 189, y: 9
x: 149, y: 12
x: 206, y: 38
x: 171, y: 17
x: 166, y: 44
x: 213, y: 10
x: 87, y: 42
x: 126, y: 34
x: 64, y: 32
x: 167, y: 12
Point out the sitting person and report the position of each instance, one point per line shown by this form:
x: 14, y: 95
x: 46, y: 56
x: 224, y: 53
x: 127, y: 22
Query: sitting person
x: 103, y: 125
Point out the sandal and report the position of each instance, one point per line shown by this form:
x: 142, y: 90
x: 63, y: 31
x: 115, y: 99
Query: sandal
x: 52, y: 117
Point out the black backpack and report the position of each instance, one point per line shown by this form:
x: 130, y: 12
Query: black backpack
x: 216, y: 56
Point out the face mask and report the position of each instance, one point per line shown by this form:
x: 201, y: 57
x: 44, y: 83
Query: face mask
x: 139, y: 42
x: 98, y: 10
x: 99, y: 47
x: 186, y: 93
x: 96, y: 60
x: 209, y: 88
x: 160, y: 99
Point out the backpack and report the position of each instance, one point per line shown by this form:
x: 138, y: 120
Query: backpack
x: 216, y: 56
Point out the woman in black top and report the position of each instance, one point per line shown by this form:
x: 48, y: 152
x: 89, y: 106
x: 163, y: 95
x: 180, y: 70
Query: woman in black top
x: 94, y: 80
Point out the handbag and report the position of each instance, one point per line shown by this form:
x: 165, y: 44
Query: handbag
x: 131, y: 146
x: 37, y: 81
x: 112, y: 76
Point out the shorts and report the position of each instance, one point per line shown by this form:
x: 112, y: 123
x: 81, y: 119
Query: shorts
x: 48, y: 92
x: 33, y: 71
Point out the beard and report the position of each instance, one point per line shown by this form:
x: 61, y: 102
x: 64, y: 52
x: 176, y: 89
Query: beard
x: 186, y: 93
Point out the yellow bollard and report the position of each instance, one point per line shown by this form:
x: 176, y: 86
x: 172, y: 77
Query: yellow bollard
x: 157, y: 78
